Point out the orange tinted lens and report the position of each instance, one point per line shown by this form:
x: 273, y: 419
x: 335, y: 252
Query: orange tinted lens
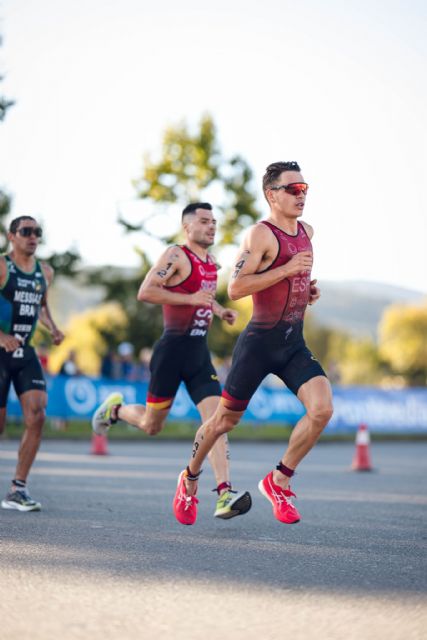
x: 296, y: 188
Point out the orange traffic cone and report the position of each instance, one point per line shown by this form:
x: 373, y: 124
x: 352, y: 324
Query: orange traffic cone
x: 99, y: 445
x: 362, y: 457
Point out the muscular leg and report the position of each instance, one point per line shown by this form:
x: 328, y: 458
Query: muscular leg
x: 147, y: 419
x: 222, y: 421
x: 33, y: 407
x: 218, y: 455
x: 316, y: 396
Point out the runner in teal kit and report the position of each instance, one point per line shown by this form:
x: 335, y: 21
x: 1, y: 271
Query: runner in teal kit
x: 274, y: 267
x: 23, y: 300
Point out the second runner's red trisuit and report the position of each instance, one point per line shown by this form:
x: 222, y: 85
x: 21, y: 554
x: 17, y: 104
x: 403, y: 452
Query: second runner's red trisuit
x: 182, y: 354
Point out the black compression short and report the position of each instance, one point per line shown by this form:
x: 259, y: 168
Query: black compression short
x: 281, y: 351
x: 23, y: 369
x: 179, y: 359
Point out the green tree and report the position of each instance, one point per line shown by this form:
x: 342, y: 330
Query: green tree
x: 5, y: 200
x: 4, y: 211
x: 5, y: 103
x: 346, y: 359
x: 66, y: 263
x: 189, y: 164
x: 144, y: 321
x: 319, y: 339
x: 403, y: 344
x: 360, y: 363
x: 89, y: 334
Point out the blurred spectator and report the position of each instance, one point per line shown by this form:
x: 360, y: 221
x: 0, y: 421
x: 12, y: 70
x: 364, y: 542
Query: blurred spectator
x: 127, y: 367
x: 69, y: 366
x: 143, y: 368
x: 110, y: 366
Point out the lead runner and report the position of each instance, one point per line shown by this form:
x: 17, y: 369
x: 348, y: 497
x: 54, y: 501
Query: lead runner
x: 274, y: 266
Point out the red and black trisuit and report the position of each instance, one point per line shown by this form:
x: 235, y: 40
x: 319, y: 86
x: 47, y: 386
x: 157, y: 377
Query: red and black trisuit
x: 181, y: 354
x: 273, y: 340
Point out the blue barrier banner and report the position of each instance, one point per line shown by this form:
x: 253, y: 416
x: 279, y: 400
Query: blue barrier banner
x: 382, y: 410
x: 387, y: 411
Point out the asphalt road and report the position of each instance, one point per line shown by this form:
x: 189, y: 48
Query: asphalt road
x: 105, y: 558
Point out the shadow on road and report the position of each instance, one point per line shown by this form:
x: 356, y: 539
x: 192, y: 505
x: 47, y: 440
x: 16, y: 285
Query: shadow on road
x: 113, y: 517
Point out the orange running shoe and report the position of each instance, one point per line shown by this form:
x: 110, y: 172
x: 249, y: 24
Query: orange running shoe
x: 184, y: 506
x: 283, y: 508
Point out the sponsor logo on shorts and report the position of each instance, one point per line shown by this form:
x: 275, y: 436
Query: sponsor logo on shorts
x: 40, y: 382
x: 198, y: 332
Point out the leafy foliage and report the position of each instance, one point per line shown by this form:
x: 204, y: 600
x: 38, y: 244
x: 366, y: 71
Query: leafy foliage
x: 403, y: 343
x: 89, y: 334
x: 189, y: 164
x: 360, y: 363
x: 66, y: 264
x: 144, y: 321
x: 5, y: 103
x: 347, y: 360
x: 5, y: 201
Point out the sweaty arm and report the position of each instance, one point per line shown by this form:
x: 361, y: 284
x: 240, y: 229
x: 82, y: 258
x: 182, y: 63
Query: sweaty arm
x: 170, y: 267
x: 45, y: 316
x: 257, y: 253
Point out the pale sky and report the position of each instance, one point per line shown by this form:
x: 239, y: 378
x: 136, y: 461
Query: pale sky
x: 338, y: 86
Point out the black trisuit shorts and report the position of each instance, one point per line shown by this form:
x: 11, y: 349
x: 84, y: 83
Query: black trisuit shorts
x: 181, y: 358
x: 259, y: 352
x: 23, y: 368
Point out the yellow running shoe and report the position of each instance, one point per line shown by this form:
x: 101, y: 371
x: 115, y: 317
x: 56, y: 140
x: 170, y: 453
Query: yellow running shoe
x: 101, y: 420
x: 230, y: 504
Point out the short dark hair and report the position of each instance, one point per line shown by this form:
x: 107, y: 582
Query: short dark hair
x: 274, y: 170
x: 193, y: 206
x: 13, y: 227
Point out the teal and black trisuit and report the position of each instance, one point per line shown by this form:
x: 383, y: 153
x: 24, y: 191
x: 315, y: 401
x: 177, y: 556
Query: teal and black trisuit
x: 20, y: 300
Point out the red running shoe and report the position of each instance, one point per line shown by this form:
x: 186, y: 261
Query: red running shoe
x: 184, y: 506
x: 283, y: 508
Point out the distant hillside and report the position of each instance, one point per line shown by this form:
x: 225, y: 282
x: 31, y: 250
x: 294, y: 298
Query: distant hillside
x: 356, y: 306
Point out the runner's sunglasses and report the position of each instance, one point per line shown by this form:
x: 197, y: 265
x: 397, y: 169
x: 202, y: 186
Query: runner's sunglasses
x: 27, y: 232
x: 294, y: 189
